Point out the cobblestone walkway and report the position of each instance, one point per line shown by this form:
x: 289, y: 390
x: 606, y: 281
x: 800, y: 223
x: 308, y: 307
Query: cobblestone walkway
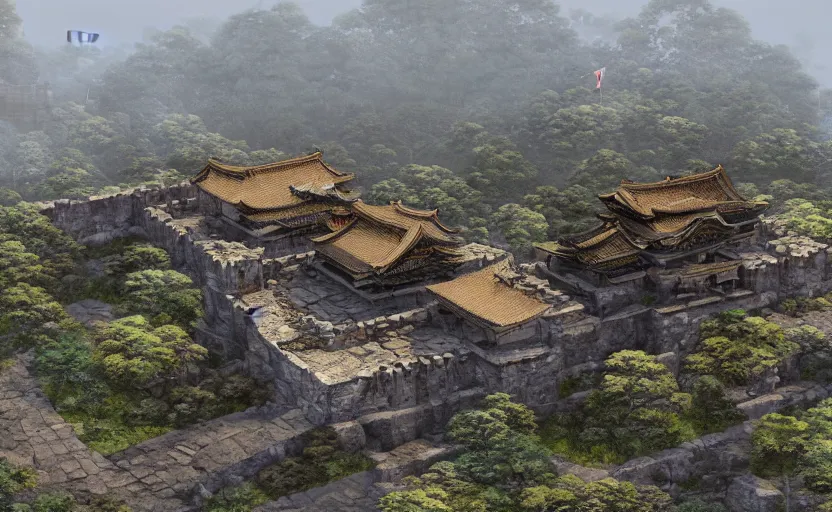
x: 34, y: 435
x: 173, y: 464
x: 157, y: 475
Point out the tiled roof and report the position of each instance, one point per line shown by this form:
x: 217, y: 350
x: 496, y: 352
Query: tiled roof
x: 309, y: 208
x: 484, y: 296
x: 267, y: 187
x: 705, y: 191
x: 403, y: 217
x: 709, y: 269
x: 379, y: 236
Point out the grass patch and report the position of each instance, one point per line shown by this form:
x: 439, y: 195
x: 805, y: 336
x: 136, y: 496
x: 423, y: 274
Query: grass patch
x: 236, y: 499
x: 582, y: 382
x: 561, y: 434
x: 322, y: 462
x: 111, y: 435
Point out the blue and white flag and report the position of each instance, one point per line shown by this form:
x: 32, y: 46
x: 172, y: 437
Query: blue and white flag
x: 77, y: 36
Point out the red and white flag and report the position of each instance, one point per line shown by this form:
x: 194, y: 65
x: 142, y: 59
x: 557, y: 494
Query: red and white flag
x: 599, y: 76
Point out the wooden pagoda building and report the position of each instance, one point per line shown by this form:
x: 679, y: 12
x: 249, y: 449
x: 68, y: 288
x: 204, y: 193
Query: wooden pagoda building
x: 487, y: 300
x: 291, y: 197
x: 664, y: 224
x: 381, y: 247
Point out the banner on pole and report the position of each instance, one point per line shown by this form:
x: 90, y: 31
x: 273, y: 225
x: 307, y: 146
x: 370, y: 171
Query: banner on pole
x: 599, y: 76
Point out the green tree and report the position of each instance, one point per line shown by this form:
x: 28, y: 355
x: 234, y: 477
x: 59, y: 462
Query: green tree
x: 132, y: 354
x: 158, y: 292
x: 26, y: 313
x: 816, y: 465
x: 710, y: 408
x: 24, y: 223
x: 637, y: 406
x: 783, y: 152
x: 19, y: 266
x: 778, y: 443
x: 136, y: 258
x: 570, y: 493
x: 737, y: 348
x: 520, y: 226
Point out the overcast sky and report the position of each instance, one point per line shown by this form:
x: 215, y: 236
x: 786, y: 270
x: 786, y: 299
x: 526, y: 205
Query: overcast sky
x: 801, y: 24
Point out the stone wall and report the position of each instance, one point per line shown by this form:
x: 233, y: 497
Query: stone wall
x: 712, y: 461
x: 228, y: 270
x: 100, y: 220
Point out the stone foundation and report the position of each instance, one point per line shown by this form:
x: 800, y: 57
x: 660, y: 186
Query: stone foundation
x: 338, y: 356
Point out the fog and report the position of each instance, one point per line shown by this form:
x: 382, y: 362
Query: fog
x: 800, y: 24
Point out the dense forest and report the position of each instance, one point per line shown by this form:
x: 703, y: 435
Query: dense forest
x: 484, y: 109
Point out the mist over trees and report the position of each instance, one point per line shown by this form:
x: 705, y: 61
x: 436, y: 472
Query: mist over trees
x: 484, y: 109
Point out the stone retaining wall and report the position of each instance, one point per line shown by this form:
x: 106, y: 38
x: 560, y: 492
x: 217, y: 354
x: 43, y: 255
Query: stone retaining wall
x: 228, y: 270
x: 713, y: 460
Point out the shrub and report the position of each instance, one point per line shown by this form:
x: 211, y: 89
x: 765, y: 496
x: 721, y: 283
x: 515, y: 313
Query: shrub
x: 237, y: 499
x: 156, y: 292
x: 737, y: 348
x: 320, y: 463
x: 710, y: 408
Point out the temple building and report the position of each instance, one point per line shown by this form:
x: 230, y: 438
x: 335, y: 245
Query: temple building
x: 272, y: 201
x: 488, y: 301
x: 678, y: 230
x: 381, y: 247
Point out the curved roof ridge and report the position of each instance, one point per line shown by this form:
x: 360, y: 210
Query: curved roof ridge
x: 241, y: 170
x: 335, y: 234
x: 381, y: 214
x: 426, y: 214
x: 410, y: 239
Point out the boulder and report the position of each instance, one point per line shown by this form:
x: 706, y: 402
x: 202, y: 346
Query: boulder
x: 90, y: 311
x: 749, y: 493
x: 351, y: 436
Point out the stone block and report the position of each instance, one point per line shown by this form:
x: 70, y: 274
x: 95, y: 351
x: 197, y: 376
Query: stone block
x: 749, y: 493
x: 351, y: 436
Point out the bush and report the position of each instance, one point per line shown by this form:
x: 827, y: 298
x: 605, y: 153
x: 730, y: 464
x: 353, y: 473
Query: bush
x: 320, y: 463
x: 54, y: 503
x: 236, y: 499
x: 14, y: 480
x: 736, y: 348
x: 710, y: 409
x: 156, y: 292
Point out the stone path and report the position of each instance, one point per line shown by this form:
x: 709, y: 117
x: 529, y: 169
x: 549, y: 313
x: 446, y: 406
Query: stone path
x: 35, y: 435
x: 239, y: 444
x: 159, y: 474
x: 361, y: 492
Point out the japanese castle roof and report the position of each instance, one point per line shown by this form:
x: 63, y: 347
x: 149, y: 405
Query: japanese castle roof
x: 379, y: 236
x: 271, y: 186
x: 486, y: 297
x: 707, y: 191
